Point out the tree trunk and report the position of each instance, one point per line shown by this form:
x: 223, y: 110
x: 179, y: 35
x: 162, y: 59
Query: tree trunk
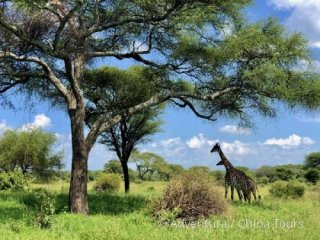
x: 125, y: 171
x: 78, y: 196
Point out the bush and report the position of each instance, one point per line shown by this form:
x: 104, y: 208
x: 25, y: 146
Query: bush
x: 263, y: 180
x: 45, y: 207
x: 108, y: 182
x: 312, y: 176
x: 189, y: 197
x: 282, y: 189
x: 12, y: 180
x: 93, y: 175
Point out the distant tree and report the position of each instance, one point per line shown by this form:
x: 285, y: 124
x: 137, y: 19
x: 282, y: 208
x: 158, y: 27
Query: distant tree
x: 30, y: 150
x: 219, y: 176
x: 312, y: 175
x: 247, y: 171
x: 312, y: 160
x: 115, y: 90
x: 113, y: 166
x: 166, y: 170
x: 175, y: 170
x: 285, y: 174
x: 266, y: 171
x: 200, y: 169
x: 148, y: 162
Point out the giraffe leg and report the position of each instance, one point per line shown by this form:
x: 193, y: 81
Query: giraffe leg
x: 232, y: 192
x: 249, y: 197
x: 239, y: 194
x: 226, y: 186
x: 254, y: 194
x: 245, y: 196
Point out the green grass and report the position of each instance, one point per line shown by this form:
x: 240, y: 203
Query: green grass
x: 117, y: 216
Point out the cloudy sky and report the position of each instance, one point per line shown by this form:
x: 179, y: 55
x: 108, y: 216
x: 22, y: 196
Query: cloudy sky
x: 187, y: 140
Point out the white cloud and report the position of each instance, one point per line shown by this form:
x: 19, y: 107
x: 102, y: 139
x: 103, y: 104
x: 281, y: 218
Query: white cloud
x: 3, y: 125
x: 315, y: 119
x: 236, y: 148
x: 304, y: 17
x: 291, y: 141
x: 40, y: 121
x: 235, y: 130
x: 197, y: 142
x: 286, y: 4
x: 170, y: 142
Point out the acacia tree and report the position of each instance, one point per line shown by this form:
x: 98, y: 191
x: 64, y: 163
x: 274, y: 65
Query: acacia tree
x: 147, y: 162
x: 114, y: 90
x: 245, y: 70
x: 31, y: 151
x: 312, y: 160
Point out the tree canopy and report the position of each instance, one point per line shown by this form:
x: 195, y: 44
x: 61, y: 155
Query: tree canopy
x: 31, y: 151
x: 312, y: 160
x: 115, y: 90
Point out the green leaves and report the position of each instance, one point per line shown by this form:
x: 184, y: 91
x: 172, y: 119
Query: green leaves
x: 30, y: 151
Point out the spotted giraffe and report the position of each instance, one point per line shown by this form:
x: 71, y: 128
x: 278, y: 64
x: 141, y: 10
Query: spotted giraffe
x: 236, y: 178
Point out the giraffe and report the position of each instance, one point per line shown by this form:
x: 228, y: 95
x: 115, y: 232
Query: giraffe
x: 248, y: 187
x: 236, y: 178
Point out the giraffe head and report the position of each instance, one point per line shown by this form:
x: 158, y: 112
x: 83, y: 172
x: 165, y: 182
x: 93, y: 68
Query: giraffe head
x: 215, y: 148
x: 220, y: 163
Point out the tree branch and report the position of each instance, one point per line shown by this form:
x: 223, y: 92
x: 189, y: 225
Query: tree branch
x: 107, y: 121
x: 50, y: 74
x: 19, y: 33
x: 101, y: 27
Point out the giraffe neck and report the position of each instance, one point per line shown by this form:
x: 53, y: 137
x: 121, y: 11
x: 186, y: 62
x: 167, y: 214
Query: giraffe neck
x: 225, y: 161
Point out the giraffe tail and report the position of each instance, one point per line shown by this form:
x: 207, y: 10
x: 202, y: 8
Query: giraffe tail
x: 259, y: 196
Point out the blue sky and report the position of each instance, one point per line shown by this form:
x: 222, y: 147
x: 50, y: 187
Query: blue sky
x: 187, y: 140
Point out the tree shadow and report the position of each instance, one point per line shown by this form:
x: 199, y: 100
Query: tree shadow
x: 11, y: 206
x: 106, y: 203
x: 15, y: 213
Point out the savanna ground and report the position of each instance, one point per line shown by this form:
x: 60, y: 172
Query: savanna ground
x: 116, y: 216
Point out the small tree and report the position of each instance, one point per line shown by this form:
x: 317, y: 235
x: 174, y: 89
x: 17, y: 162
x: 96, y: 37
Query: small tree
x: 312, y: 160
x: 112, y: 166
x: 30, y: 151
x: 312, y: 176
x: 116, y: 90
x: 148, y: 162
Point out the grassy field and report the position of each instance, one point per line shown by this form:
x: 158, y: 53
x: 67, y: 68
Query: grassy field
x: 116, y: 216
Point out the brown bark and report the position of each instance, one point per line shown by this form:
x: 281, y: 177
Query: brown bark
x: 125, y: 171
x: 78, y: 196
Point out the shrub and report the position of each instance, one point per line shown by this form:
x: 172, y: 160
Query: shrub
x: 263, y: 180
x: 188, y: 197
x: 282, y: 189
x: 138, y: 181
x: 108, y: 182
x: 45, y: 207
x: 12, y: 180
x: 312, y: 176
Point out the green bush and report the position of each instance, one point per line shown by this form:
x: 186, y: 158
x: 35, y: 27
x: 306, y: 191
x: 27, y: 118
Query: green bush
x: 12, y: 180
x: 282, y: 189
x: 108, y: 182
x: 313, y: 176
x: 45, y: 207
x: 189, y: 197
x: 263, y: 180
x: 138, y: 181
